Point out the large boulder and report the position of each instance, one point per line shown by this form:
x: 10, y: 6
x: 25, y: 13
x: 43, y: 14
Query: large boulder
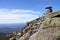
x: 49, y: 29
x: 46, y: 27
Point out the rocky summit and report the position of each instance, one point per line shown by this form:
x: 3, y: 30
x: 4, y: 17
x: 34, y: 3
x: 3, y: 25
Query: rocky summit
x: 46, y: 27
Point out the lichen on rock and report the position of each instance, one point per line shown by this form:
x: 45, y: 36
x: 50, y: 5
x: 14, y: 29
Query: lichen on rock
x: 46, y: 27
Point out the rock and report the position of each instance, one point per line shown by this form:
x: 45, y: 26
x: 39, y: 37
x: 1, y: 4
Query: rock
x: 49, y: 33
x: 34, y: 36
x: 46, y: 27
x: 21, y: 38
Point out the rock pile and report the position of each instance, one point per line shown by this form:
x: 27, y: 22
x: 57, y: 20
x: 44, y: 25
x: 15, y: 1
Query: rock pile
x: 46, y: 27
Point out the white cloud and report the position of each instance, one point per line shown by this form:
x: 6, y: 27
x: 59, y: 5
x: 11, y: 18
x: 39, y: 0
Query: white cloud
x: 17, y: 15
x: 18, y: 11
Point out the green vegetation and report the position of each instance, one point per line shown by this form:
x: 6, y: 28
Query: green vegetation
x: 5, y: 37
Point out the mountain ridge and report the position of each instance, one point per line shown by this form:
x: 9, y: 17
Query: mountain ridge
x: 46, y: 27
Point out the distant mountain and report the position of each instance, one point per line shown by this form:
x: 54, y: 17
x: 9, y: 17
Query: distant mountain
x: 7, y: 28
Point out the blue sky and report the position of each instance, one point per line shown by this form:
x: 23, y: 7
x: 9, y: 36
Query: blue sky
x: 21, y: 11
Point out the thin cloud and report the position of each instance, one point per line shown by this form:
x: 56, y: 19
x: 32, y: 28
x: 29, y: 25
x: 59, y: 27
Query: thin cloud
x: 18, y: 11
x: 17, y: 15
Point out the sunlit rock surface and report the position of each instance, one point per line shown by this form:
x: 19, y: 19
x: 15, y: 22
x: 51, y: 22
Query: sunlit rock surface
x: 46, y: 27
